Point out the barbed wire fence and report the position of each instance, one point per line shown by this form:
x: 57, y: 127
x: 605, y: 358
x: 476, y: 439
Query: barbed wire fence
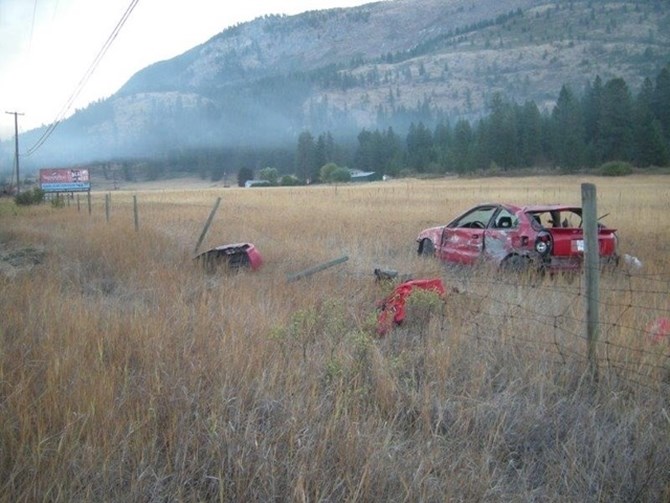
x: 634, y: 329
x: 551, y: 315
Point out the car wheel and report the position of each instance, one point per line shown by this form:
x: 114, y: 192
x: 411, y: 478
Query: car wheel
x: 426, y: 248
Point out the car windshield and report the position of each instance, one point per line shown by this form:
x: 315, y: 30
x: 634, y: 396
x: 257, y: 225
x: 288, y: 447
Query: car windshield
x: 552, y: 218
x: 477, y: 218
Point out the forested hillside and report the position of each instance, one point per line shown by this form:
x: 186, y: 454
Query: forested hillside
x: 606, y: 122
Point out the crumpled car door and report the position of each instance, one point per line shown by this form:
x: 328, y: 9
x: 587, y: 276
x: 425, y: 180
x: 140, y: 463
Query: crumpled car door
x: 462, y: 245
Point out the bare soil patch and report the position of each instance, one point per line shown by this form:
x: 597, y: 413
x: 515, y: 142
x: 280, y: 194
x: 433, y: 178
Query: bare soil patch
x: 15, y: 259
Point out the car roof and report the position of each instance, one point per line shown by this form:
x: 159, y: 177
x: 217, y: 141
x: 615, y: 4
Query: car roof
x: 538, y: 208
x: 533, y: 208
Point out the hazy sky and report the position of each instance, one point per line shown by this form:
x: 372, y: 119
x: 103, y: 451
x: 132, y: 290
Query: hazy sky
x: 47, y: 46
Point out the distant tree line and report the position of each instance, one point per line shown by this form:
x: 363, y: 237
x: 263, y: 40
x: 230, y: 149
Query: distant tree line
x: 606, y: 123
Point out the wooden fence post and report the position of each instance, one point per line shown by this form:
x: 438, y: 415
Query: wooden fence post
x: 207, y: 224
x: 591, y: 272
x: 88, y: 197
x: 137, y: 218
x: 107, y: 202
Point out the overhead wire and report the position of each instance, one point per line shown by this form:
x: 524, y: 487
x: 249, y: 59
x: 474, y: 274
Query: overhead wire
x: 32, y: 27
x: 80, y: 86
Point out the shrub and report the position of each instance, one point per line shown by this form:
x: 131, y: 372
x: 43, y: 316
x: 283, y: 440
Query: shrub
x: 35, y: 196
x: 271, y: 175
x: 58, y: 201
x: 38, y: 195
x: 23, y: 199
x: 340, y: 175
x: 289, y: 181
x: 326, y: 172
x: 616, y: 168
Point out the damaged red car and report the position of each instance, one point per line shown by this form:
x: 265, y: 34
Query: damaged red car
x: 543, y: 237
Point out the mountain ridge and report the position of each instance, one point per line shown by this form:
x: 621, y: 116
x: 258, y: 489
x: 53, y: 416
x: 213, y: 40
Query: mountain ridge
x: 381, y: 64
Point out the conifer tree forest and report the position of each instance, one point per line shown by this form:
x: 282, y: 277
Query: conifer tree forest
x: 586, y: 128
x: 604, y: 122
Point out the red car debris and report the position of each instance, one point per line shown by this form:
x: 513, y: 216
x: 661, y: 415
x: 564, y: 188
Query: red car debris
x: 234, y: 256
x: 548, y: 237
x: 392, y: 309
x: 659, y: 330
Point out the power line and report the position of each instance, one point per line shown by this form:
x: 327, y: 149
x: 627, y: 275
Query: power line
x: 59, y: 118
x: 32, y: 27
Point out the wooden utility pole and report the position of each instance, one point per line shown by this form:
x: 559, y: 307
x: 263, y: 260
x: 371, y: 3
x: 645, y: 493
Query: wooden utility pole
x: 16, y: 149
x: 591, y: 272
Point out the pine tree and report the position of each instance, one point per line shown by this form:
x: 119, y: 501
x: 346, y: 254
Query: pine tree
x: 568, y: 131
x: 462, y: 150
x: 649, y: 148
x: 502, y: 133
x: 365, y: 152
x: 529, y: 126
x: 243, y: 175
x: 320, y: 152
x: 661, y: 100
x: 615, y: 124
x: 419, y: 147
x: 442, y: 144
x: 304, y: 159
x: 591, y: 113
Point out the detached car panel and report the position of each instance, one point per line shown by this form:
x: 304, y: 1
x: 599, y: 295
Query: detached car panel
x: 549, y: 237
x: 233, y: 256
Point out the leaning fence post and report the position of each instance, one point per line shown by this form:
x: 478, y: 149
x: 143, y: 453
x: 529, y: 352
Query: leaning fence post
x: 591, y: 272
x: 207, y: 224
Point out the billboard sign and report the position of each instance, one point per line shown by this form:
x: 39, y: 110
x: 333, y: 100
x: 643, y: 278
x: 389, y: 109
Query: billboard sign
x: 65, y: 180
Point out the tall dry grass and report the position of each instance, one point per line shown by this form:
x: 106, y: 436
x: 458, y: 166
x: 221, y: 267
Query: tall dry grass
x: 128, y: 374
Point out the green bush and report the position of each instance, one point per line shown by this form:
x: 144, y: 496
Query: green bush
x: 289, y: 181
x: 35, y: 196
x: 58, y: 201
x: 326, y: 172
x: 271, y: 175
x: 616, y: 168
x: 340, y: 175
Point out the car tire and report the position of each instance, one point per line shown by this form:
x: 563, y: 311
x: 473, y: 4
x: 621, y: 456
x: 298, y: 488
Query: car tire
x: 426, y: 248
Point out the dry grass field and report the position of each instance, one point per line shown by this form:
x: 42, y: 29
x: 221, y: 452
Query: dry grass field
x: 129, y: 374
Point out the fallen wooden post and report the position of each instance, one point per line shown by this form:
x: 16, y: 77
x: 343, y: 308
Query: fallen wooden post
x: 317, y: 268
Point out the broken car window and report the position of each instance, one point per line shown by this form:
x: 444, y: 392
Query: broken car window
x: 506, y: 220
x: 567, y: 218
x: 476, y: 219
